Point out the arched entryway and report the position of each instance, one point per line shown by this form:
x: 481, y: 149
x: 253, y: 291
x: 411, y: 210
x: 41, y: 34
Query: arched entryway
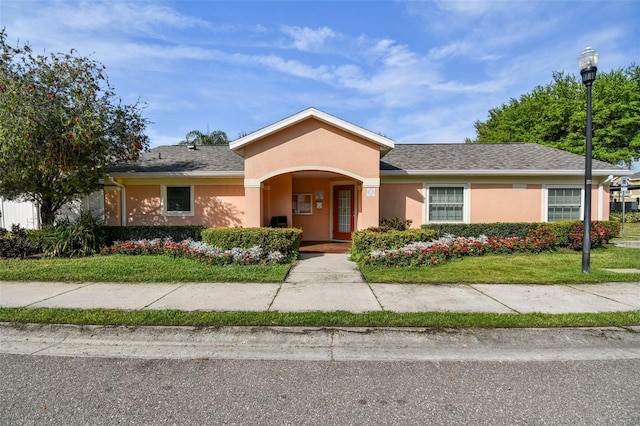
x: 325, y: 205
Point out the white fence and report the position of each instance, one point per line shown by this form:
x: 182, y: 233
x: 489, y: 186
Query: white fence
x: 26, y: 214
x: 21, y: 213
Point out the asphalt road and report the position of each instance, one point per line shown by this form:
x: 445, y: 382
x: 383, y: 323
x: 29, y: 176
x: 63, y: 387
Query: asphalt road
x: 106, y: 391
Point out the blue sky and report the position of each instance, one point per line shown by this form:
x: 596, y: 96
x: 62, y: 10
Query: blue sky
x: 417, y: 72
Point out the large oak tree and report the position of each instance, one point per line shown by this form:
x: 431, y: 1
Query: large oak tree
x: 61, y: 127
x: 555, y: 115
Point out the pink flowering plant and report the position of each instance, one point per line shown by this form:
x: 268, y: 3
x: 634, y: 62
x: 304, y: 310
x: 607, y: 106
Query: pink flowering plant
x: 196, y: 250
x: 448, y: 247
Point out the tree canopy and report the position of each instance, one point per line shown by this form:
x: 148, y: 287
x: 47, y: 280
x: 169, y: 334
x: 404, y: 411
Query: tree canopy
x: 555, y: 115
x: 61, y: 127
x: 196, y: 137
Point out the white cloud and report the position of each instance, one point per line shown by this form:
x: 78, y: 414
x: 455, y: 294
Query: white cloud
x: 123, y: 16
x: 293, y: 67
x: 307, y: 39
x: 467, y: 7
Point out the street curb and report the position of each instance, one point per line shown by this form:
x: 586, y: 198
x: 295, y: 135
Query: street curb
x: 321, y: 343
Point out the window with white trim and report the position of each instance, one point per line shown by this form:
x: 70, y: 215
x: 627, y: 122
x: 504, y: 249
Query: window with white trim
x: 446, y: 204
x: 563, y: 204
x: 301, y: 203
x: 177, y: 200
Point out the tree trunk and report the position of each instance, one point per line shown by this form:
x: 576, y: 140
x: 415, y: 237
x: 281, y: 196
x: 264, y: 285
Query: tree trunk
x: 47, y: 213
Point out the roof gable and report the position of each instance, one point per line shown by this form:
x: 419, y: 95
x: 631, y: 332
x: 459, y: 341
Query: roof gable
x: 383, y: 142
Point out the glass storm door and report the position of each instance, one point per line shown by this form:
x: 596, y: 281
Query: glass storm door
x: 343, y: 212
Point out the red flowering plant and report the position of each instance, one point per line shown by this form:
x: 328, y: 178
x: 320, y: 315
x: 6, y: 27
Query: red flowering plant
x: 441, y: 250
x: 600, y: 235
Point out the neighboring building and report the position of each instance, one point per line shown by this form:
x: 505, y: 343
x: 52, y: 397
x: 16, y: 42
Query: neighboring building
x: 330, y: 177
x: 631, y: 197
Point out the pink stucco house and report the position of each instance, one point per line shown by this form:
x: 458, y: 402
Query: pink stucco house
x: 330, y: 177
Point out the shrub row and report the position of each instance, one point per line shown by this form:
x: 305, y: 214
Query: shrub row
x: 86, y: 237
x: 629, y: 217
x: 364, y: 242
x: 445, y: 248
x: 16, y: 243
x: 196, y: 250
x: 567, y: 233
x: 498, y: 229
x: 175, y: 233
x: 65, y: 239
x: 283, y: 240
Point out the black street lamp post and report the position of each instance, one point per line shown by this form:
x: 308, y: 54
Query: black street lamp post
x: 588, y: 62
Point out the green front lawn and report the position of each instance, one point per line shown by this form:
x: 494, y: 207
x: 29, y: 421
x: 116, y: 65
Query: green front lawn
x: 563, y: 266
x: 631, y: 231
x: 123, y: 268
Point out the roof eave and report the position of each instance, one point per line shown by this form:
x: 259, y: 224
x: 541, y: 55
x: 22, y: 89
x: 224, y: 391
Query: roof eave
x: 492, y: 172
x: 134, y: 174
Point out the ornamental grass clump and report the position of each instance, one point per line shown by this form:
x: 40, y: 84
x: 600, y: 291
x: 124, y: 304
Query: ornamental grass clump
x: 447, y: 247
x: 196, y: 250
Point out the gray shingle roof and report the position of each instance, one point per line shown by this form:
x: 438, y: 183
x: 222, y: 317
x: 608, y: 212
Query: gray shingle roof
x: 179, y: 159
x: 478, y: 157
x: 220, y: 159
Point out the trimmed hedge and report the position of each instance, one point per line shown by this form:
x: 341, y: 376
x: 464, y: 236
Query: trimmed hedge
x: 129, y: 233
x: 629, y: 217
x: 561, y: 230
x: 284, y: 240
x: 567, y: 232
x: 498, y: 229
x: 364, y: 242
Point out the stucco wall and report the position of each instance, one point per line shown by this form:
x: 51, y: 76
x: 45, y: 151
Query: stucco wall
x: 277, y: 198
x: 214, y: 205
x: 506, y: 203
x: 112, y: 207
x: 143, y: 206
x: 404, y: 201
x: 311, y: 145
x: 217, y: 205
x: 315, y: 227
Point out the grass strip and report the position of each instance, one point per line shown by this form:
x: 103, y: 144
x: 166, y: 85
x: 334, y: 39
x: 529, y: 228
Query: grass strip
x: 316, y: 319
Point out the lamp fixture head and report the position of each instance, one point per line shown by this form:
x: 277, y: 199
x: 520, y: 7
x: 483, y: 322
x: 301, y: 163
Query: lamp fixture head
x: 588, y: 58
x: 588, y: 62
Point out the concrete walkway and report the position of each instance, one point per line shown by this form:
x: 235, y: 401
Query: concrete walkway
x: 325, y: 282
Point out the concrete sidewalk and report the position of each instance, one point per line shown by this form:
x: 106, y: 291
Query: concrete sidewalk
x: 325, y: 282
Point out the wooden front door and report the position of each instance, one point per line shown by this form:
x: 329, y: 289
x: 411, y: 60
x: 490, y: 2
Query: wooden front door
x: 343, y: 212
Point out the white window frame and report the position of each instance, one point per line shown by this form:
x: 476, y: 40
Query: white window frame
x: 296, y: 205
x: 163, y: 201
x: 466, y: 208
x: 560, y: 186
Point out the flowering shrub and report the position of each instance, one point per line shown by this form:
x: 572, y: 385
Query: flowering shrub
x: 600, y: 234
x: 196, y: 250
x: 441, y: 250
x: 16, y: 243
